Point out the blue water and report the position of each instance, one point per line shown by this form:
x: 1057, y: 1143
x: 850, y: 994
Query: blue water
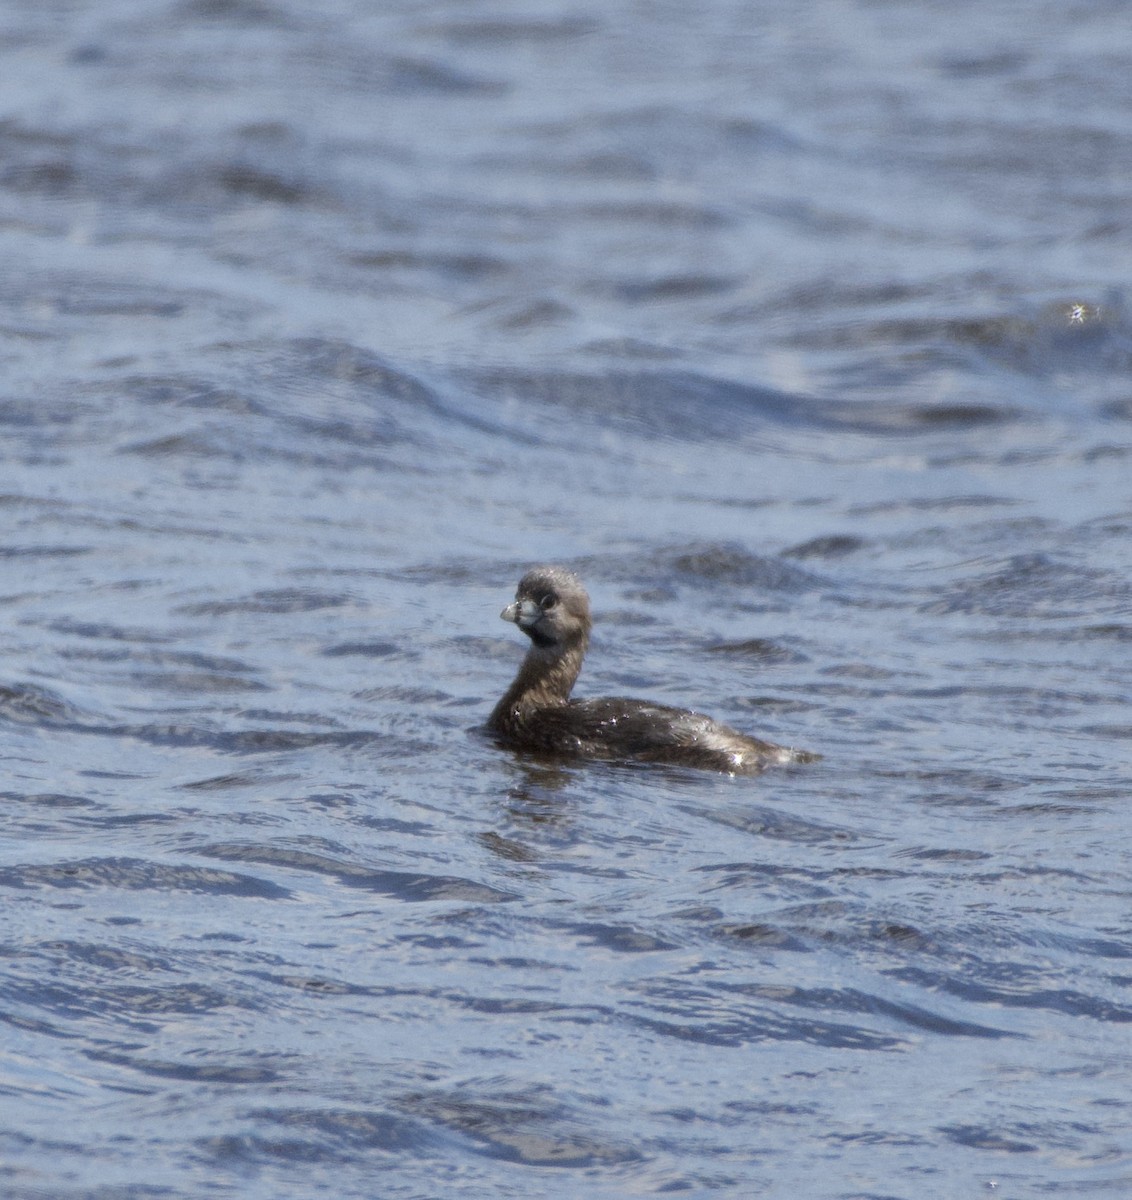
x: 803, y: 337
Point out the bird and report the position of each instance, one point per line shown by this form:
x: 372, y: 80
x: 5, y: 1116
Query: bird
x: 537, y: 715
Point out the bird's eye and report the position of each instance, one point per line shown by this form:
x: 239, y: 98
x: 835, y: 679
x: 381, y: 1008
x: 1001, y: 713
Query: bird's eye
x: 548, y: 602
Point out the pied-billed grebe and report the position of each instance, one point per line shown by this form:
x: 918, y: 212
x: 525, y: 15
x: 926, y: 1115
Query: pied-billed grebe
x: 536, y: 713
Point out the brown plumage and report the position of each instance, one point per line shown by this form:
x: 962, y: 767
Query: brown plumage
x: 536, y: 713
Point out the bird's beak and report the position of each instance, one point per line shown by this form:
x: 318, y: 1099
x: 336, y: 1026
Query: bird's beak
x: 523, y: 612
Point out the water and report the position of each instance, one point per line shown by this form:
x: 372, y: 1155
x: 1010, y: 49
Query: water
x: 803, y: 337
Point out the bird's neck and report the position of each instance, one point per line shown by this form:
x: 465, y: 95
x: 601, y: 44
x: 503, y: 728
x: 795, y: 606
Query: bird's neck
x: 545, y: 680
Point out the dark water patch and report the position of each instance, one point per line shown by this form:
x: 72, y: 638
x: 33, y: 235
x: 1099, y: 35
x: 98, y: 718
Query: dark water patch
x: 775, y: 705
x: 1039, y: 586
x: 761, y: 650
x: 133, y: 636
x: 276, y: 600
x: 660, y: 214
x: 1114, y: 731
x: 833, y: 545
x: 1016, y: 986
x: 820, y: 921
x: 406, y: 699
x: 1107, y: 632
x: 229, y: 782
x: 458, y: 572
x: 49, y: 800
x: 874, y: 419
x: 760, y: 821
x: 131, y: 874
x: 40, y: 505
x: 365, y: 403
x: 243, y: 1074
x: 37, y: 160
x: 899, y: 935
x: 495, y: 30
x: 1063, y: 335
x: 374, y: 649
x: 520, y: 315
x: 119, y: 301
x: 32, y: 1024
x: 109, y: 958
x: 1105, y: 452
x: 399, y: 885
x: 468, y: 267
x: 947, y: 855
x: 673, y: 404
x: 27, y: 704
x: 623, y: 939
x: 250, y: 14
x: 962, y: 787
x: 257, y: 183
x: 674, y: 287
x: 316, y: 986
x: 624, y: 349
x: 311, y: 401
x: 327, y: 1134
x: 357, y: 433
x: 507, y: 849
x: 145, y: 1003
x: 712, y: 1018
x: 761, y: 935
x: 1048, y: 808
x: 864, y: 670
x: 980, y: 1138
x: 519, y: 1125
x: 1085, y: 946
x: 1013, y: 700
x: 189, y: 391
x: 192, y: 683
x: 41, y: 551
x: 123, y: 1191
x: 255, y: 741
x: 964, y: 416
x: 849, y: 1000
x: 599, y: 165
x: 195, y: 444
x: 1074, y: 797
x: 75, y: 301
x: 913, y: 504
x: 667, y: 137
x: 849, y: 293
x: 100, y: 818
x: 194, y: 660
x: 46, y: 177
x: 993, y: 62
x: 433, y: 76
x: 346, y: 363
x: 807, y: 927
x: 516, y: 1006
x: 732, y: 565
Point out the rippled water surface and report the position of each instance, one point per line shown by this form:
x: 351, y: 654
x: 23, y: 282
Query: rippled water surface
x: 802, y: 335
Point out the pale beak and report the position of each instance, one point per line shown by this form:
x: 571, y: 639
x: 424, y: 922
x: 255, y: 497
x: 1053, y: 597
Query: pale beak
x: 523, y: 612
